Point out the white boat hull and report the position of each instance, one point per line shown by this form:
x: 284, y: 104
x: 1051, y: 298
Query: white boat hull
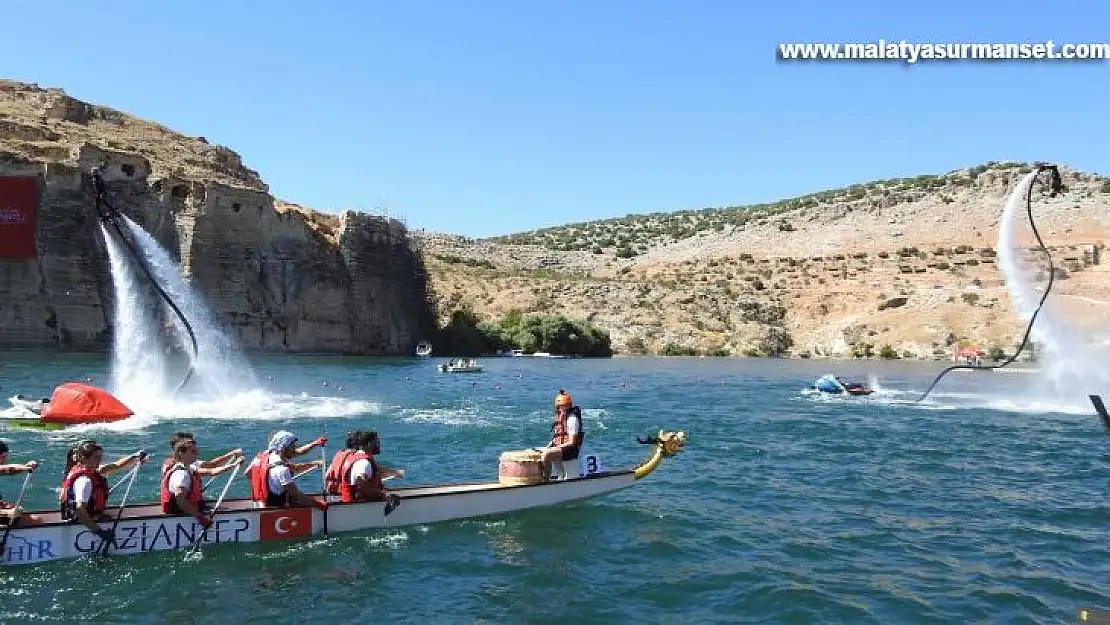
x: 145, y: 528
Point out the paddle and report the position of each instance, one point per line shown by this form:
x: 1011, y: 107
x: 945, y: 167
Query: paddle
x: 1100, y: 408
x: 103, y: 550
x: 304, y: 473
x: 15, y: 511
x: 215, y: 508
x: 112, y: 488
x: 324, y: 480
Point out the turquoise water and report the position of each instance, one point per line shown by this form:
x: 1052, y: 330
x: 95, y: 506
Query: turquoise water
x: 985, y: 504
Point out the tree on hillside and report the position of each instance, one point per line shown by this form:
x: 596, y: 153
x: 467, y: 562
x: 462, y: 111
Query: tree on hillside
x: 466, y: 334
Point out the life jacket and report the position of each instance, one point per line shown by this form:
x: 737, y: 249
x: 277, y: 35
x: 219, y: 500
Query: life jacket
x: 347, y: 492
x: 335, y: 475
x: 167, y: 464
x: 260, y: 475
x: 98, y: 501
x: 560, y: 427
x: 169, y: 502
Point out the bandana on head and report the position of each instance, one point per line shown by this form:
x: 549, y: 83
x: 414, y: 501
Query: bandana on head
x: 281, y: 440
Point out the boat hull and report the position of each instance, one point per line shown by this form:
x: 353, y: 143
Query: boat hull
x: 144, y: 528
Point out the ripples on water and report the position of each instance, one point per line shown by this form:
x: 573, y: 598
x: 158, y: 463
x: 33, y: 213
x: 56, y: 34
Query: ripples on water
x: 986, y: 503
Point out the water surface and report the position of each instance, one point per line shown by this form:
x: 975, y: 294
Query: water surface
x: 985, y: 503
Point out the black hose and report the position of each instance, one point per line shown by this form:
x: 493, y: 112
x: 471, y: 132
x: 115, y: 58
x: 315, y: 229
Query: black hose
x: 108, y: 216
x: 1056, y: 187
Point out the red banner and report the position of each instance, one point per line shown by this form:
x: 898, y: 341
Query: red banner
x: 19, y: 201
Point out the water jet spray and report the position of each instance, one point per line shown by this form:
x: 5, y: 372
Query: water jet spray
x: 1056, y: 186
x: 109, y: 216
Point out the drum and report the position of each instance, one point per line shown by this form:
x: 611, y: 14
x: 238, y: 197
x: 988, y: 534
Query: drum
x: 520, y: 467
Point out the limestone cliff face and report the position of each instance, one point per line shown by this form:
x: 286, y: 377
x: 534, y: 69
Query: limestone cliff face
x: 280, y: 277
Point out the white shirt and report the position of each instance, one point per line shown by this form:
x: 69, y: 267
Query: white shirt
x: 82, y: 490
x: 279, y: 476
x: 361, y: 468
x: 180, y: 479
x: 574, y: 424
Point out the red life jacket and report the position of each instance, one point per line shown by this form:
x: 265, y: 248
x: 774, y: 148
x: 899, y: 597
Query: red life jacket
x: 336, y: 474
x: 98, y: 501
x: 560, y: 427
x: 169, y: 502
x: 260, y: 470
x: 347, y: 492
x: 259, y: 479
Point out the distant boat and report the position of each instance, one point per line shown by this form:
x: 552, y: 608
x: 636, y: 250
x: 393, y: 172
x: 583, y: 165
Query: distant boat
x: 460, y: 365
x: 423, y: 349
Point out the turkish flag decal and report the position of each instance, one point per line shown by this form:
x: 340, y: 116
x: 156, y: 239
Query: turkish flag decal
x: 285, y: 524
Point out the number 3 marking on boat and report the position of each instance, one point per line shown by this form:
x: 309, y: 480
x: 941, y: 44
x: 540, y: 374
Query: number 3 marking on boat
x: 591, y: 464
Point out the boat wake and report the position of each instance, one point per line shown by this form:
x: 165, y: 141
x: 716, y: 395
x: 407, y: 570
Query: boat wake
x: 1010, y: 402
x: 1019, y: 394
x: 470, y: 414
x: 252, y: 405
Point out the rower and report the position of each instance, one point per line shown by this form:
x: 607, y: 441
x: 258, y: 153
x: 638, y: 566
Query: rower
x: 10, y: 512
x: 568, y: 435
x: 271, y: 474
x: 181, y: 491
x: 84, y: 493
x: 336, y: 471
x: 364, y: 477
x: 203, y: 467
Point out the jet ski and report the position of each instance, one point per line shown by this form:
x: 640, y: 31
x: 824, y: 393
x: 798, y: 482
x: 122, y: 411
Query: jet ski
x: 833, y: 385
x: 71, y: 404
x: 24, y: 408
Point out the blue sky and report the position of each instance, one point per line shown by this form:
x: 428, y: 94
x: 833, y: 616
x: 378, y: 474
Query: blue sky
x: 486, y: 118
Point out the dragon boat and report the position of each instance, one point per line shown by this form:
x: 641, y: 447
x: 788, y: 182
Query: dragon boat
x: 521, y: 484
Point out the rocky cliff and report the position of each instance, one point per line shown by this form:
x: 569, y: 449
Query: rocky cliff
x: 279, y: 276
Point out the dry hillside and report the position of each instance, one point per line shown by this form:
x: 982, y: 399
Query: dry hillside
x: 907, y: 264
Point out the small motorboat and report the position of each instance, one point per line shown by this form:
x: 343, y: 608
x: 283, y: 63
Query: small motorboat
x: 833, y: 385
x: 423, y: 349
x: 460, y: 365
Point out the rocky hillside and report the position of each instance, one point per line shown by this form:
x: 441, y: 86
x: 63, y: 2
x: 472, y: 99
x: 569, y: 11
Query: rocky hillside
x: 901, y: 267
x: 280, y: 276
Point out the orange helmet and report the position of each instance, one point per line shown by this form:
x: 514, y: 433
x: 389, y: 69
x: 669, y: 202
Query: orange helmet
x: 562, y: 400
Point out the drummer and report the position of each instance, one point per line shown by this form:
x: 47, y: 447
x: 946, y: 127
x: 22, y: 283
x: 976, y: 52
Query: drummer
x: 10, y: 511
x: 567, y: 431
